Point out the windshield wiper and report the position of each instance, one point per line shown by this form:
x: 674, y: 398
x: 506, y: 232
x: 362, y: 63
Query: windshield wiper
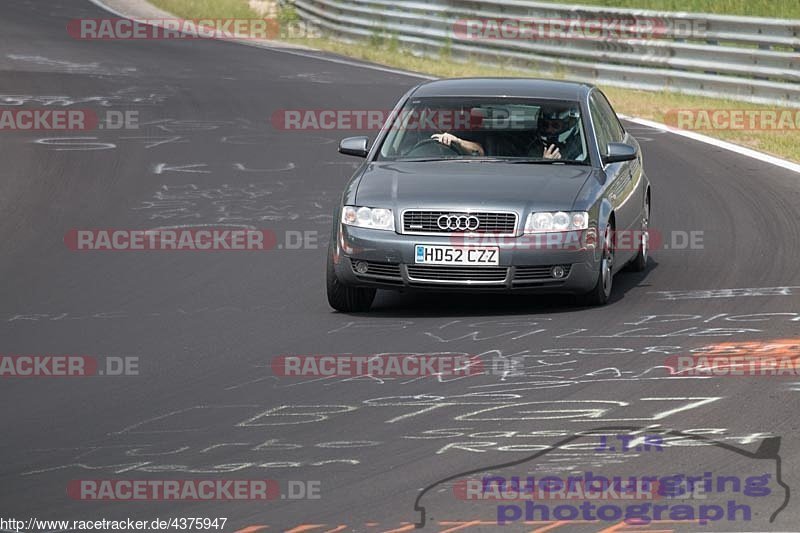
x: 459, y: 159
x: 490, y: 160
x: 480, y: 159
x: 421, y: 159
x: 547, y: 162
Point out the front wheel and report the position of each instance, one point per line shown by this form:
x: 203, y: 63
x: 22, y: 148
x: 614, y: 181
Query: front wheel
x: 605, y: 278
x: 345, y: 298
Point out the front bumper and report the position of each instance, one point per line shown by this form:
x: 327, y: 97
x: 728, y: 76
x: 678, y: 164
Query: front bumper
x: 524, y: 265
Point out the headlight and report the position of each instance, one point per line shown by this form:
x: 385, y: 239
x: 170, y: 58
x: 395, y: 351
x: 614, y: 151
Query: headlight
x: 547, y: 222
x: 368, y: 217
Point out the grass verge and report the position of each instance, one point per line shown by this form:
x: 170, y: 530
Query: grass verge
x: 654, y: 105
x: 750, y: 8
x: 207, y: 8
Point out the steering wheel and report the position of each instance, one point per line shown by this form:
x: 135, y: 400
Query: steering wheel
x: 443, y: 149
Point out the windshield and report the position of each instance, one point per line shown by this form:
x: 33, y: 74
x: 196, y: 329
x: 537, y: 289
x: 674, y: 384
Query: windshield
x: 486, y: 129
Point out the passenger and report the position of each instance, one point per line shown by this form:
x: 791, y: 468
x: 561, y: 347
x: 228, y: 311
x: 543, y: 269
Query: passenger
x: 558, y: 136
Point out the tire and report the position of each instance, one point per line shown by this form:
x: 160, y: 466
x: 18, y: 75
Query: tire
x: 605, y: 277
x: 639, y: 262
x: 343, y: 297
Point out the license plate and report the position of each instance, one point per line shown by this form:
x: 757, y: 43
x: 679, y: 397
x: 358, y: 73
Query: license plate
x: 452, y: 255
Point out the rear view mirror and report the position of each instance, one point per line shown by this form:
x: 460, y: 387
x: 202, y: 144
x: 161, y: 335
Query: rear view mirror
x: 357, y: 146
x: 620, y: 152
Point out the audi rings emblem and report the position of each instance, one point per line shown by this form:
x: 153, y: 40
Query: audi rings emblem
x: 458, y: 222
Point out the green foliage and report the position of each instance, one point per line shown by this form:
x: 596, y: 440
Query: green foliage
x: 752, y: 8
x: 194, y: 9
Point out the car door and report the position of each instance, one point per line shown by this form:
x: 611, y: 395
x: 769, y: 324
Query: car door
x: 624, y: 190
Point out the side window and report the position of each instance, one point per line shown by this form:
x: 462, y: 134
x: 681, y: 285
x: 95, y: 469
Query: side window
x: 602, y: 127
x: 616, y: 129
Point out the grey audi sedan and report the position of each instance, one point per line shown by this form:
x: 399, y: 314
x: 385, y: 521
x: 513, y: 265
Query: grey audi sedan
x: 491, y: 184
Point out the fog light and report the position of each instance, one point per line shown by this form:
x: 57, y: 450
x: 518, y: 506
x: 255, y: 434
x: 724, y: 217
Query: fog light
x: 557, y: 271
x: 362, y: 267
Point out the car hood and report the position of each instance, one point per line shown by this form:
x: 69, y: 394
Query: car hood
x: 473, y: 185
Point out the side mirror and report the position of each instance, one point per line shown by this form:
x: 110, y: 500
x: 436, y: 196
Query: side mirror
x: 357, y: 146
x: 620, y: 152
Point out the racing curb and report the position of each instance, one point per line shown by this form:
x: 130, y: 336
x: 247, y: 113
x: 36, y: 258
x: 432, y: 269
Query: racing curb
x: 742, y: 150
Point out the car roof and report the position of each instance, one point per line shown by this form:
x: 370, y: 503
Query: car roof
x: 508, y: 87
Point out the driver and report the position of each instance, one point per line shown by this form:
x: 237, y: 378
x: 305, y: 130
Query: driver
x: 557, y: 137
x: 462, y: 145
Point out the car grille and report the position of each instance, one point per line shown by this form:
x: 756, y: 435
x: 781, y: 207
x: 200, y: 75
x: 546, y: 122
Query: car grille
x: 424, y: 222
x: 447, y: 274
x: 384, y: 271
x: 523, y: 274
x: 457, y: 274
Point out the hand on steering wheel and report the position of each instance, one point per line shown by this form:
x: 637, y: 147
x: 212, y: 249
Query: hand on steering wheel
x: 441, y: 148
x: 447, y: 139
x: 460, y: 146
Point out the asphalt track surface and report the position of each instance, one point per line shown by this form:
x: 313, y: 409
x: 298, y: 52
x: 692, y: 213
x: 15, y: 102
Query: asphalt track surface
x: 205, y: 326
